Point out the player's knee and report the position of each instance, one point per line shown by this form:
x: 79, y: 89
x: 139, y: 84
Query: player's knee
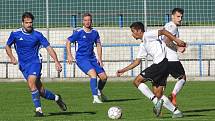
x: 32, y: 86
x: 138, y: 80
x: 182, y: 77
x: 158, y: 91
x: 92, y: 73
x: 135, y: 83
x: 104, y: 77
x: 158, y: 95
x: 42, y: 93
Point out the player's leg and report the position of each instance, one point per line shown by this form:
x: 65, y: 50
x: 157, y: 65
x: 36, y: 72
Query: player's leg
x: 177, y: 88
x: 93, y: 85
x: 168, y: 105
x: 179, y: 73
x: 152, y: 73
x: 101, y: 84
x: 35, y: 94
x: 50, y: 95
x: 158, y: 92
x: 159, y: 74
x: 31, y: 79
x: 102, y: 79
x: 86, y: 66
x: 139, y: 82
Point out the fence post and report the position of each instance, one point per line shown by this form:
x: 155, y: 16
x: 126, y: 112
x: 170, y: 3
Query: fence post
x: 131, y: 58
x: 6, y: 69
x: 74, y: 25
x: 209, y: 67
x: 167, y: 18
x: 48, y: 37
x: 200, y: 60
x: 74, y: 21
x: 64, y: 61
x: 120, y: 20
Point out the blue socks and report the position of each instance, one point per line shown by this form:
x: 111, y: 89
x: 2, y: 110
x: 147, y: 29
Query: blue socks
x: 36, y: 98
x: 49, y: 95
x: 93, y: 86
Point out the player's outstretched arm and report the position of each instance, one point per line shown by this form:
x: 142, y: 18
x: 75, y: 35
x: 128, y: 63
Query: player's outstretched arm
x: 68, y: 51
x: 53, y: 54
x: 129, y: 67
x: 10, y: 55
x: 172, y: 37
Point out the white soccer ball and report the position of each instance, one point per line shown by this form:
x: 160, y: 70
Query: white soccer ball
x: 115, y: 112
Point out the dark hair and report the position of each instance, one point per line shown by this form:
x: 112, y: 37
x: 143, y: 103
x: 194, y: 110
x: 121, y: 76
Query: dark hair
x: 27, y: 15
x: 137, y: 26
x: 87, y: 14
x: 180, y: 10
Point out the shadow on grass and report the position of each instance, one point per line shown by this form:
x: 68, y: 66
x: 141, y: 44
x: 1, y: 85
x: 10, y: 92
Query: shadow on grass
x: 195, y: 111
x: 199, y: 110
x: 71, y: 113
x: 185, y: 115
x: 193, y: 115
x: 122, y: 100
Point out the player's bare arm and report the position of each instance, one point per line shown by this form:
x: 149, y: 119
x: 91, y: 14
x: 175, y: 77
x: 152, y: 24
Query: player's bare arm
x: 129, y: 67
x: 172, y: 37
x: 99, y: 52
x: 10, y: 55
x: 53, y: 54
x: 170, y: 44
x: 68, y: 51
x: 173, y: 46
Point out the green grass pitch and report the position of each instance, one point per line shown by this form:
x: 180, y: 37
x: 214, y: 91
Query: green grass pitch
x: 197, y: 101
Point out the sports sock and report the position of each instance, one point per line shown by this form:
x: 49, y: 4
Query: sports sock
x: 56, y: 98
x: 39, y: 109
x: 167, y: 104
x: 178, y: 86
x: 147, y: 92
x: 93, y: 86
x: 101, y: 84
x: 49, y: 95
x: 36, y: 98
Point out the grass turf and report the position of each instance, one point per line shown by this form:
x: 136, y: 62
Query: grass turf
x: 196, y: 101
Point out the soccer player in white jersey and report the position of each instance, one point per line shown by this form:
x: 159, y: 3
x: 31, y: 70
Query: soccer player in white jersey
x: 174, y: 65
x: 157, y: 73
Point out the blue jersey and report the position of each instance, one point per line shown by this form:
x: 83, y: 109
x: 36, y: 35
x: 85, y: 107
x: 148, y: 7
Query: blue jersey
x: 86, y: 41
x: 27, y: 46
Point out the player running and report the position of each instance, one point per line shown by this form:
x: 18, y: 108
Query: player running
x: 157, y: 73
x: 27, y: 42
x: 86, y: 60
x: 174, y: 65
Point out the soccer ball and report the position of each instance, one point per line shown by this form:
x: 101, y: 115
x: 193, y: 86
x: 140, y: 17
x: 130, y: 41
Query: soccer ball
x: 115, y: 112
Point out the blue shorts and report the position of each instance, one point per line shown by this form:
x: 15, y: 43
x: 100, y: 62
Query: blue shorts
x: 32, y: 69
x: 86, y: 64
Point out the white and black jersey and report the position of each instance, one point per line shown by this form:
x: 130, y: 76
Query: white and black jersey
x: 157, y: 73
x: 173, y: 29
x: 174, y: 65
x: 152, y: 46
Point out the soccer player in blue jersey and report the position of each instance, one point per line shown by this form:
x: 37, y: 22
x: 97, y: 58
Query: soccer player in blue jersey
x: 86, y: 60
x: 27, y: 42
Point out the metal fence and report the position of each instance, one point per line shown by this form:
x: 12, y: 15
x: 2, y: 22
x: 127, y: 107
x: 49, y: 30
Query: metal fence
x: 195, y: 63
